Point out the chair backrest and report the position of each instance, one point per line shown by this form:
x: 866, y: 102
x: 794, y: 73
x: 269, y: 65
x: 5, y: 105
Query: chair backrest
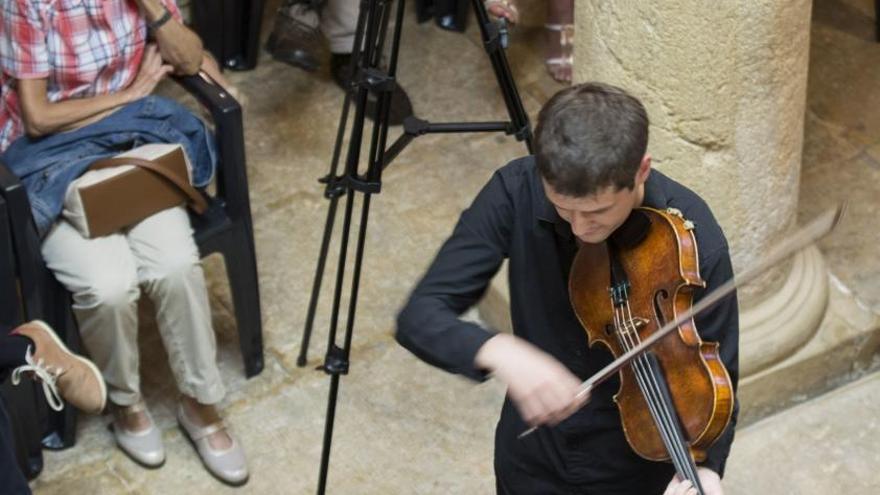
x: 41, y: 296
x: 20, y: 401
x: 11, y: 309
x: 230, y: 30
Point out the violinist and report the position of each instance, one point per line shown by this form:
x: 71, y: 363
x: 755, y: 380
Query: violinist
x: 590, y: 170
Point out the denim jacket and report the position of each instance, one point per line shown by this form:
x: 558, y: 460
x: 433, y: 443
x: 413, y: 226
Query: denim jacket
x: 47, y: 165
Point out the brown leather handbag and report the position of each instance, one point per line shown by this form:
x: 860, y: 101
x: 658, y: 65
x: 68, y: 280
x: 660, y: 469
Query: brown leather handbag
x: 120, y: 191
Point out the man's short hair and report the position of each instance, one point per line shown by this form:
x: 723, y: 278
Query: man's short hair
x: 589, y: 137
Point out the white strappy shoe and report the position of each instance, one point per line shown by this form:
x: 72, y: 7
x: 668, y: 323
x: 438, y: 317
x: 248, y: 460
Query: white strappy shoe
x: 227, y: 465
x: 144, y: 447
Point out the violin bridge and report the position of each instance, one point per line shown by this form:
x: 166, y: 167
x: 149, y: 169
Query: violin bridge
x: 639, y: 323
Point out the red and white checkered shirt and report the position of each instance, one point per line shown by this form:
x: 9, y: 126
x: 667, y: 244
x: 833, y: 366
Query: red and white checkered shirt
x: 83, y: 47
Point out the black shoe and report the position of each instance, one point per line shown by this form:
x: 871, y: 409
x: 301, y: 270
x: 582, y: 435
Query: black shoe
x: 401, y: 106
x: 295, y: 39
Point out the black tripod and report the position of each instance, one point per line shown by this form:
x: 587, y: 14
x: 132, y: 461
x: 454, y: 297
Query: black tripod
x: 370, y: 38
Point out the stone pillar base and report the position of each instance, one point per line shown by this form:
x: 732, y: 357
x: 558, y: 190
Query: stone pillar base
x: 787, y: 319
x: 844, y: 347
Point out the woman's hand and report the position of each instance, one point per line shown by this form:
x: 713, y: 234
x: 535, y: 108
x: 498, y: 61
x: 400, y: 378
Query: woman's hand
x: 152, y: 71
x: 179, y: 45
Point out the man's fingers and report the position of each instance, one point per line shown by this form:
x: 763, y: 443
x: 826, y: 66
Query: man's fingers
x: 685, y: 488
x: 554, y: 403
x: 562, y: 401
x: 550, y: 404
x: 528, y: 409
x: 673, y: 486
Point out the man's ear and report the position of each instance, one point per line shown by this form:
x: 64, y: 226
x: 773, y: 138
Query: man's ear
x: 644, y: 170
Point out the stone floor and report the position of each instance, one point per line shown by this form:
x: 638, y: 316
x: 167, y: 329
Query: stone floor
x: 403, y: 427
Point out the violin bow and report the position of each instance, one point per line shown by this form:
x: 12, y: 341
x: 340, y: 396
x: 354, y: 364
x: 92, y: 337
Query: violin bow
x: 803, y: 237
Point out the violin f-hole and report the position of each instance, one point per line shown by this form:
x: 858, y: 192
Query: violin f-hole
x: 659, y: 296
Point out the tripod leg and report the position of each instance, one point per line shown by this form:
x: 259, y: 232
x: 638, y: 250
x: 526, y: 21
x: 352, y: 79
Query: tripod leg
x: 337, y: 358
x: 316, y: 286
x: 328, y: 433
x: 492, y: 41
x: 333, y: 193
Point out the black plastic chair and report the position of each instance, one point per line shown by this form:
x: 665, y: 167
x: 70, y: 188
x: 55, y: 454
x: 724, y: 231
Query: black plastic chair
x: 20, y: 401
x: 226, y: 227
x: 230, y: 30
x: 41, y: 297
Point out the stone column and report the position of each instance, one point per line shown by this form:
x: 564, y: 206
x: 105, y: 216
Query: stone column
x: 725, y: 88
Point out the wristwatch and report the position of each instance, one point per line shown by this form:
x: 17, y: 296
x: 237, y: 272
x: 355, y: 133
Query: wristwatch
x: 153, y: 26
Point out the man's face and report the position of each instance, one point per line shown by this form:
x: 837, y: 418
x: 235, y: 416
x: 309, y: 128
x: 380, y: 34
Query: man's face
x: 593, y: 218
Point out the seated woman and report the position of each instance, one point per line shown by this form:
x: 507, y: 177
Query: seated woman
x: 76, y: 82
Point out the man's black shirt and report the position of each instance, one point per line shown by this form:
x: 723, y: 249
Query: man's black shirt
x: 511, y: 218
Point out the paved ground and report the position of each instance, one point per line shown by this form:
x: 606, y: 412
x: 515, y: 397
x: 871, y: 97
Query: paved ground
x: 402, y: 427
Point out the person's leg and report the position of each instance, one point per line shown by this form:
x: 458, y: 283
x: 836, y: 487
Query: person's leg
x: 101, y: 275
x: 12, y: 352
x: 295, y: 38
x: 170, y: 272
x: 338, y: 24
x: 11, y: 478
x: 559, y: 39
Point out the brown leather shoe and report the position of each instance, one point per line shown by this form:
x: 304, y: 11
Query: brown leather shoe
x: 63, y: 373
x: 296, y: 38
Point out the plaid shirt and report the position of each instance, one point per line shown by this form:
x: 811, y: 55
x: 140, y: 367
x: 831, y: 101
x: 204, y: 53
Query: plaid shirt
x: 84, y: 48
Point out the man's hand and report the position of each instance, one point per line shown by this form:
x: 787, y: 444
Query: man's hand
x: 543, y: 390
x: 709, y: 480
x: 152, y: 71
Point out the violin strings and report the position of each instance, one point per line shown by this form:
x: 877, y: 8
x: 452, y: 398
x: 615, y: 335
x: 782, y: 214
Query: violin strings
x: 667, y: 417
x: 652, y: 403
x: 623, y: 332
x: 667, y: 413
x: 659, y: 411
x: 648, y: 381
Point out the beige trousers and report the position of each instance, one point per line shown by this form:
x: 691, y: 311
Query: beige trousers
x: 338, y: 24
x: 106, y: 276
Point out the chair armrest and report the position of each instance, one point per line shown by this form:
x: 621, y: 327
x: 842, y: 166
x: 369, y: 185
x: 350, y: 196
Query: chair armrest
x: 26, y: 244
x: 229, y: 129
x: 210, y: 94
x: 9, y: 183
x: 19, y: 207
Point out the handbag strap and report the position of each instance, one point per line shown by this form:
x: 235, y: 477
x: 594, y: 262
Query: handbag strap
x: 196, y: 200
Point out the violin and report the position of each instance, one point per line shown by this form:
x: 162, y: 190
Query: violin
x: 676, y: 399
